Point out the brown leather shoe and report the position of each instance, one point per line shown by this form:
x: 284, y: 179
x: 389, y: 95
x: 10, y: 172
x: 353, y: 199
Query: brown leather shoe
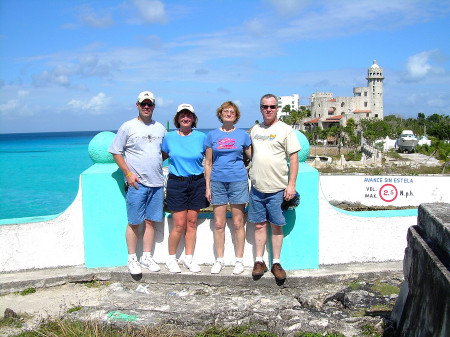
x: 259, y: 268
x: 278, y: 272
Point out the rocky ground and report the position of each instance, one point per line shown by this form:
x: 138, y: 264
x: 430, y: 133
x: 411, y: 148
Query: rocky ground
x: 347, y: 303
x: 417, y: 159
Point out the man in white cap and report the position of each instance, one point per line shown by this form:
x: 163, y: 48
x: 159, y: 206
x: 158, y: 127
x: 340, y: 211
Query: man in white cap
x: 137, y: 151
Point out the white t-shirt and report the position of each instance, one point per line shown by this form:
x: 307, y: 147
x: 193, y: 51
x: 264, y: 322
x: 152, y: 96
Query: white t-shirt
x: 271, y: 147
x: 140, y: 145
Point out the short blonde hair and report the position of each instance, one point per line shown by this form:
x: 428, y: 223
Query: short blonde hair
x: 225, y: 105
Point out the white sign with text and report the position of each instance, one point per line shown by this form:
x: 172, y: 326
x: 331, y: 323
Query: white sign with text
x: 386, y: 190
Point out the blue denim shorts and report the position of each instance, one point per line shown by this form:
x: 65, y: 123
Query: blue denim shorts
x: 266, y: 206
x: 186, y: 193
x: 144, y: 203
x: 234, y: 193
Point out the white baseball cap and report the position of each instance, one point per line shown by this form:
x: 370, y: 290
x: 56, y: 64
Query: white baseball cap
x: 185, y: 106
x: 146, y: 95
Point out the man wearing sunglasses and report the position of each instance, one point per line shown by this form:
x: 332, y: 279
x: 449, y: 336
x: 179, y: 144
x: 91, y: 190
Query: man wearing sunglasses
x: 273, y: 142
x: 137, y: 151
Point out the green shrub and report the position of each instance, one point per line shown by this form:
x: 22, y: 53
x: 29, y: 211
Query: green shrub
x: 353, y: 156
x: 28, y: 291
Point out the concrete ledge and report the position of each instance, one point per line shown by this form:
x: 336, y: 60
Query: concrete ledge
x: 434, y: 225
x: 53, y: 241
x: 43, y: 278
x: 423, y: 306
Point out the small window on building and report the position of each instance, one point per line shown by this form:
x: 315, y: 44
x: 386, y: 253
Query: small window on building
x: 342, y: 104
x: 365, y: 93
x: 376, y: 115
x: 365, y: 104
x: 367, y: 114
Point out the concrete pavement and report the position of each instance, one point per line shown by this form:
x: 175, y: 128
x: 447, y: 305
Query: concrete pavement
x: 316, y: 300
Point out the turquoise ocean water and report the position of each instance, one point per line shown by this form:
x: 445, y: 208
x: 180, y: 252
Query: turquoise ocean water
x: 39, y: 172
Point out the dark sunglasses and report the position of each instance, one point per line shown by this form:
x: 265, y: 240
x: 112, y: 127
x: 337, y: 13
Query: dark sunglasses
x: 267, y: 106
x: 143, y: 104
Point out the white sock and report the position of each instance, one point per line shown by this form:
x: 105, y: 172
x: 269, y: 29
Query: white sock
x: 239, y: 259
x: 172, y: 257
x: 147, y: 254
x: 275, y: 261
x: 132, y: 257
x: 259, y: 259
x: 220, y: 260
x: 188, y: 258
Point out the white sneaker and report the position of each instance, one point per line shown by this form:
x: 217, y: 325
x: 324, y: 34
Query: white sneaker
x: 192, y: 266
x: 238, y: 268
x: 217, y: 267
x: 134, y: 267
x: 172, y: 266
x: 148, y: 262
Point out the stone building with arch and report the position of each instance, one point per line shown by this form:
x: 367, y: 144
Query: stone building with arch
x: 367, y: 102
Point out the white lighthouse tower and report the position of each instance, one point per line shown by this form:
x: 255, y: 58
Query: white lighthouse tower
x: 375, y: 83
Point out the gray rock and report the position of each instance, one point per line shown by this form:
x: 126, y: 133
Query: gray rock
x: 9, y: 313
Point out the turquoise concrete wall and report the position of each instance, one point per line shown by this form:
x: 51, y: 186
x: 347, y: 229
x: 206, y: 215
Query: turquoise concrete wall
x: 104, y: 216
x: 301, y: 242
x: 301, y: 233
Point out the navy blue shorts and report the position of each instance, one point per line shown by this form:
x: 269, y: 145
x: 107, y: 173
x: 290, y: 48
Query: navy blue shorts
x: 186, y: 193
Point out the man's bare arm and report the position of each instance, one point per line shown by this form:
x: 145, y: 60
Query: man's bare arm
x: 132, y: 180
x: 289, y: 192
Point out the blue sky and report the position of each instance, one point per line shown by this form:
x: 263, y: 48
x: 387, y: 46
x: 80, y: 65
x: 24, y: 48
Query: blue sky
x: 79, y: 65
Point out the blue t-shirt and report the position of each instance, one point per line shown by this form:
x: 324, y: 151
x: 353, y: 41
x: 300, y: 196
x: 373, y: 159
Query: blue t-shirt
x: 186, y: 153
x: 228, y: 154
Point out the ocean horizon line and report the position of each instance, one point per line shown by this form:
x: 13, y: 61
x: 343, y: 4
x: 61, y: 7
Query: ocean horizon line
x: 54, y: 132
x: 4, y: 134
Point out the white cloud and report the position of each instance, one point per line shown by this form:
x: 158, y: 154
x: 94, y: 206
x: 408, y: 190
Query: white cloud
x: 58, y: 75
x: 91, y: 65
x: 9, y: 107
x: 97, y: 105
x: 153, y: 41
x: 15, y: 108
x: 87, y: 65
x: 151, y: 11
x: 256, y: 27
x: 163, y: 103
x: 23, y: 93
x: 94, y: 20
x: 419, y: 66
x: 340, y: 18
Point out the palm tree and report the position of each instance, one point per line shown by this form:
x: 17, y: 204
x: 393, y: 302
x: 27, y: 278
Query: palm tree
x: 296, y: 116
